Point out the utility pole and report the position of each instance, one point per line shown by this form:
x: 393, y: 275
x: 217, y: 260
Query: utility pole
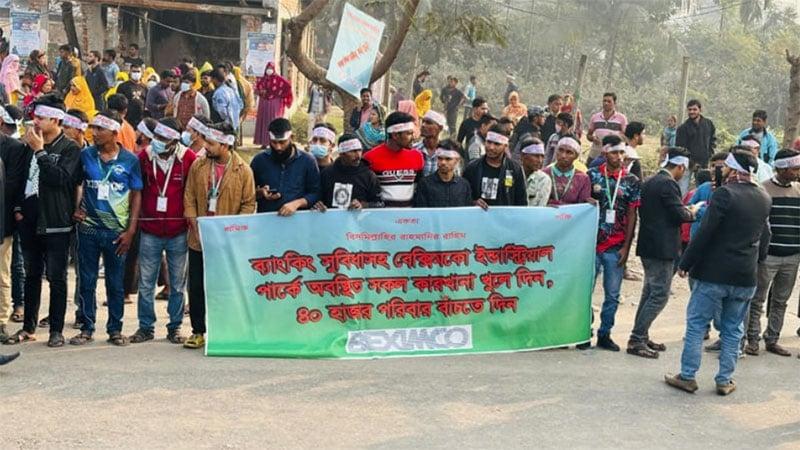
x: 684, y: 88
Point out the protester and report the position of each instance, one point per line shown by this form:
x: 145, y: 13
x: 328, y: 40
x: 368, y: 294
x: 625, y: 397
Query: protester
x: 80, y: 97
x: 564, y: 124
x: 395, y: 163
x: 539, y: 184
x: 372, y: 132
x: 444, y: 188
x: 287, y: 179
x: 275, y: 97
x: 133, y: 58
x: 42, y: 85
x: 698, y: 135
x: 470, y: 94
x: 14, y: 156
x: 604, y: 122
x: 74, y: 125
x: 477, y: 145
x: 159, y: 96
x: 408, y: 107
x: 515, y: 109
x: 554, y: 103
x: 219, y: 184
x: 452, y: 99
x: 470, y: 124
x: 722, y: 260
x: 96, y: 79
x: 432, y: 126
x: 668, y: 135
x: 109, y: 66
x: 496, y: 180
x: 37, y: 64
x: 322, y: 144
x: 165, y: 167
x: 319, y: 105
x: 618, y: 196
x: 661, y: 215
x: 751, y: 144
x: 348, y: 182
x: 188, y: 102
x: 136, y: 93
x: 529, y: 126
x: 759, y: 132
x: 634, y: 135
x: 361, y: 115
x: 778, y: 272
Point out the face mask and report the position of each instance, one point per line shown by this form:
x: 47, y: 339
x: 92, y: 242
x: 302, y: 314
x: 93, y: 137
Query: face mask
x: 136, y: 76
x: 151, y: 84
x: 158, y: 147
x: 186, y: 138
x: 270, y: 71
x: 185, y: 87
x: 319, y: 151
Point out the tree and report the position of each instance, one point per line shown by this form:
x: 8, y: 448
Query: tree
x: 793, y: 110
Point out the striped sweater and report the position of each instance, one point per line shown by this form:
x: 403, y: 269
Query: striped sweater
x: 784, y: 218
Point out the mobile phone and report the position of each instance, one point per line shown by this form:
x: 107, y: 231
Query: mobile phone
x: 272, y: 191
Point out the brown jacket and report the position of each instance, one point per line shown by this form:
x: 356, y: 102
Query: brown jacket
x: 237, y: 192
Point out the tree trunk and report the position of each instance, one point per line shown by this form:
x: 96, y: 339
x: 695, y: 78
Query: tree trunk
x: 69, y: 25
x: 793, y: 108
x: 349, y: 103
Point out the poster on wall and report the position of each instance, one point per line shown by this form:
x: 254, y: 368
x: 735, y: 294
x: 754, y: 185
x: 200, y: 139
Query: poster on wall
x: 25, y: 36
x: 260, y: 51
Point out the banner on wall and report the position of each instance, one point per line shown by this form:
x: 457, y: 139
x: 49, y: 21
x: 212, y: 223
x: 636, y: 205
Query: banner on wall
x: 398, y: 282
x: 25, y: 36
x: 260, y: 51
x: 355, y: 50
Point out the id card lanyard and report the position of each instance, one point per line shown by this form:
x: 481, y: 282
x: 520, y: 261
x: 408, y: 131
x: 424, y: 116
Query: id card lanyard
x: 161, y: 203
x: 566, y: 188
x: 611, y: 213
x: 215, y: 184
x: 103, y: 189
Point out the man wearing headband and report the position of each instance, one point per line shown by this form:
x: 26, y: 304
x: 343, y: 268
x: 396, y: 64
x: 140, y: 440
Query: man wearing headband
x: 564, y: 124
x: 698, y: 135
x: 477, y: 145
x: 75, y: 125
x: 605, y: 122
x: 495, y: 179
x: 108, y: 220
x: 443, y: 188
x: 538, y: 183
x: 662, y: 213
x: 349, y: 183
x: 778, y: 272
x: 617, y: 194
x: 126, y: 135
x: 219, y: 184
x: 165, y: 168
x: 287, y: 179
x: 44, y: 216
x: 750, y: 144
x: 395, y: 163
x: 322, y: 143
x: 10, y: 118
x: 570, y: 185
x: 722, y: 261
x: 759, y: 130
x: 528, y: 126
x: 433, y: 124
x: 192, y: 136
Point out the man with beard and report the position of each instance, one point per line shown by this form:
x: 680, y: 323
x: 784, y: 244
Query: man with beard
x: 468, y: 126
x: 698, y: 135
x: 494, y: 178
x: 443, y: 188
x: 758, y: 130
x: 538, y: 184
x: 349, y: 183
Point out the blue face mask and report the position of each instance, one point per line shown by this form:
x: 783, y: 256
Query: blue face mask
x: 158, y: 147
x: 319, y: 151
x: 186, y: 138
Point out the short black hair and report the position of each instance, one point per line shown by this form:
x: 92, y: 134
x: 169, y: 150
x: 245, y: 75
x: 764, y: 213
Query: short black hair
x: 138, y: 66
x: 52, y: 100
x: 786, y: 153
x: 553, y: 98
x: 207, y: 73
x: 363, y: 90
x: 486, y: 119
x: 218, y: 75
x: 96, y: 54
x: 478, y: 102
x: 150, y: 123
x: 528, y: 140
x: 449, y: 144
x: 171, y: 122
x: 760, y: 114
x: 505, y: 120
x: 611, y: 139
x: 702, y: 176
x: 745, y: 159
x: 118, y: 102
x: 167, y: 74
x: 397, y: 117
x: 110, y: 52
x: 719, y: 156
x: 472, y: 78
x: 136, y: 46
x: 694, y: 102
x: 223, y: 127
x: 634, y: 128
x: 327, y: 125
x: 674, y: 152
x: 111, y: 114
x: 77, y: 113
x: 566, y: 118
x: 14, y: 112
x: 613, y: 96
x: 188, y: 60
x: 280, y: 126
x: 188, y: 76
x: 497, y: 128
x: 65, y: 47
x: 202, y: 119
x: 346, y: 137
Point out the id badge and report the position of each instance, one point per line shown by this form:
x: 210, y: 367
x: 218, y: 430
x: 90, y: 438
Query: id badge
x: 509, y: 181
x: 212, y: 205
x: 611, y: 216
x: 103, y: 191
x: 161, y: 204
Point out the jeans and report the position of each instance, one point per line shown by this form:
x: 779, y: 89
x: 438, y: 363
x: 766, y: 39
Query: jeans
x: 197, y: 293
x: 150, y: 250
x: 54, y: 249
x: 92, y: 243
x: 17, y: 273
x: 612, y: 282
x: 778, y: 272
x: 655, y: 294
x: 708, y: 298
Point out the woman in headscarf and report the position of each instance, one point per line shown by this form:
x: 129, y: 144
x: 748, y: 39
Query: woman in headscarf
x: 274, y: 96
x: 408, y: 107
x: 423, y: 102
x: 515, y: 109
x: 37, y: 89
x: 37, y: 64
x: 247, y: 90
x: 9, y: 76
x: 80, y: 97
x: 150, y: 77
x: 372, y: 133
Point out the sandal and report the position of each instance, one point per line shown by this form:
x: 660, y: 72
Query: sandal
x: 118, y: 339
x: 643, y: 351
x: 656, y: 346
x: 18, y: 316
x: 81, y: 339
x: 19, y: 337
x: 56, y: 340
x: 195, y: 341
x: 141, y: 336
x: 175, y: 337
x: 44, y: 323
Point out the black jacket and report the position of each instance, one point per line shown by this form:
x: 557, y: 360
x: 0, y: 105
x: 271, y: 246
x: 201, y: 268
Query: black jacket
x: 136, y: 93
x: 514, y: 195
x: 699, y: 138
x: 466, y: 130
x: 432, y: 192
x: 14, y: 156
x: 98, y: 84
x: 733, y: 237
x: 660, y: 217
x: 549, y: 127
x: 51, y: 211
x: 366, y: 188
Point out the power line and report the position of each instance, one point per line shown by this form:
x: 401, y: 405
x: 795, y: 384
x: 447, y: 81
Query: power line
x: 190, y: 33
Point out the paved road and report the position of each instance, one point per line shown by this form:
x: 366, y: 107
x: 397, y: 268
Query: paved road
x: 157, y: 395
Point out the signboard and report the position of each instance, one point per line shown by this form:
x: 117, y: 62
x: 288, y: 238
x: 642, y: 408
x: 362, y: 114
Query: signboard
x: 355, y: 50
x: 260, y: 51
x: 398, y: 282
x: 25, y: 36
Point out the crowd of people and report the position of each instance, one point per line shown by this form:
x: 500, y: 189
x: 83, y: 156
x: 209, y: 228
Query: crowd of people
x: 122, y: 174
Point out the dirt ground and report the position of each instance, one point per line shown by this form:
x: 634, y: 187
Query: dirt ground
x: 157, y: 395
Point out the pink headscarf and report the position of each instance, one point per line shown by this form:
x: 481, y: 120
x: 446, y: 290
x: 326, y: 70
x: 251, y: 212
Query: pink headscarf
x: 410, y: 108
x: 9, y: 73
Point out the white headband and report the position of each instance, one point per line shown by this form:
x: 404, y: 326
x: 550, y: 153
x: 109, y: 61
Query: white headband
x: 731, y: 162
x: 283, y: 137
x: 324, y: 133
x: 497, y: 138
x: 142, y: 127
x: 104, y: 122
x: 631, y: 153
x: 48, y: 112
x: 750, y: 143
x: 569, y: 143
x: 788, y: 163
x: 676, y: 160
x: 218, y: 136
x: 533, y: 149
x: 614, y: 148
x: 400, y: 127
x: 74, y: 122
x: 6, y: 117
x: 167, y: 132
x: 350, y: 145
x: 446, y: 153
x: 196, y: 125
x: 436, y: 118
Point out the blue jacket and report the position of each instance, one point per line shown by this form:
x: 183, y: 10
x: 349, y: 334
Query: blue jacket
x: 297, y: 177
x: 769, y: 145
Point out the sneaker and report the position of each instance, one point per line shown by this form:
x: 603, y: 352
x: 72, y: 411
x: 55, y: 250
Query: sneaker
x: 195, y: 341
x: 726, y: 389
x: 605, y: 342
x: 715, y: 346
x: 751, y: 348
x: 777, y: 349
x: 587, y: 345
x: 678, y: 382
x: 141, y: 336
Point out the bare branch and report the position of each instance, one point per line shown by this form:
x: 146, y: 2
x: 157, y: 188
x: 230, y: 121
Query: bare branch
x: 398, y: 37
x: 294, y: 50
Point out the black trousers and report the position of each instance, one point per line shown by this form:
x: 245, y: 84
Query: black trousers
x: 51, y: 250
x: 197, y: 292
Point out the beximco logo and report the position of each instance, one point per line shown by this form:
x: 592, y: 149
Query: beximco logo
x: 410, y: 339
